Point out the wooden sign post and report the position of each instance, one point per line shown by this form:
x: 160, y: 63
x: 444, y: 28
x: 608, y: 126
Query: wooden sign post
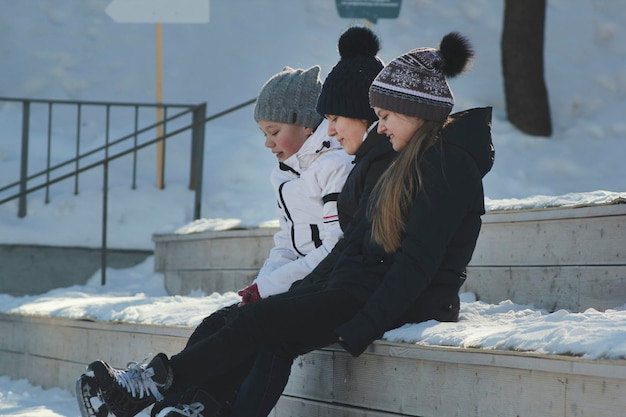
x: 158, y: 12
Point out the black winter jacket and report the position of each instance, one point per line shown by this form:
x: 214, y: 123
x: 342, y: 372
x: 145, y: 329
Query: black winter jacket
x: 440, y: 237
x: 370, y: 161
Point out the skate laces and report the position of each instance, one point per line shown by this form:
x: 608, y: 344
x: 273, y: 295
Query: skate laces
x: 137, y: 379
x: 187, y: 410
x: 192, y: 410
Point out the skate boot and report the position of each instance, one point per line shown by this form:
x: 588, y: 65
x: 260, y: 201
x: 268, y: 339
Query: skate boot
x: 193, y: 403
x: 89, y: 400
x: 126, y: 392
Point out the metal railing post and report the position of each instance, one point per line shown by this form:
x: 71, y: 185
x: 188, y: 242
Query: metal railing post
x: 197, y: 156
x: 105, y: 199
x: 49, y: 152
x: 77, y: 156
x: 21, y: 210
x: 135, y: 138
x: 193, y: 158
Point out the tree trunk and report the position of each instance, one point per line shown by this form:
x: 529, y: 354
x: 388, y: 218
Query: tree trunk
x: 522, y: 66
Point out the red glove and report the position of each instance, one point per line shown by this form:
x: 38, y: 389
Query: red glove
x: 249, y: 295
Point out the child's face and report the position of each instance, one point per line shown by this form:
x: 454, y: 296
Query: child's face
x: 398, y: 127
x: 284, y: 139
x: 348, y: 132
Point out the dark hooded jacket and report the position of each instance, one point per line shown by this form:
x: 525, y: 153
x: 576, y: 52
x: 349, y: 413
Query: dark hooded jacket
x: 370, y: 161
x: 441, y: 234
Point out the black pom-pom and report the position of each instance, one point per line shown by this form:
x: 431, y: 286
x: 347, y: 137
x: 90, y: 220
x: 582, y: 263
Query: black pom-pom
x: 358, y: 41
x: 457, y: 52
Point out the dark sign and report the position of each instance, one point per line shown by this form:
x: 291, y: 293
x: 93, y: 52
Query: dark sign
x: 371, y: 10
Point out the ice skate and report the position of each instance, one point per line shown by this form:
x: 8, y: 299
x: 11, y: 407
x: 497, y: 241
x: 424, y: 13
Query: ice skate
x: 194, y: 403
x: 126, y: 392
x: 89, y: 400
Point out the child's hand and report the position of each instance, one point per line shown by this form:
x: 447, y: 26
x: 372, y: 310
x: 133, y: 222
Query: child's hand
x: 249, y: 295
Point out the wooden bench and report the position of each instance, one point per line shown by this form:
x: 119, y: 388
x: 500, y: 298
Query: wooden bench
x: 387, y: 380
x: 560, y: 258
x: 570, y: 258
x: 556, y: 258
x: 211, y: 261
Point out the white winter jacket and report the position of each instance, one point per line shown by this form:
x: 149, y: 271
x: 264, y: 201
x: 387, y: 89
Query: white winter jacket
x: 307, y: 185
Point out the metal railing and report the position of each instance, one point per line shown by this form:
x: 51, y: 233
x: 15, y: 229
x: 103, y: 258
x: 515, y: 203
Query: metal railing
x: 103, y: 155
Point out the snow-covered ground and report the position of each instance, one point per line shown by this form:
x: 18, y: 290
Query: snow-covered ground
x: 73, y: 50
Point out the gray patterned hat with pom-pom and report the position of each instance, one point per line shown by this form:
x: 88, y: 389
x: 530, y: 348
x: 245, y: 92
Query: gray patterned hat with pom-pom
x: 415, y: 84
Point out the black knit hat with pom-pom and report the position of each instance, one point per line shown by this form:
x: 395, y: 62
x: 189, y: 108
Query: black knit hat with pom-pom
x: 415, y: 83
x: 345, y: 90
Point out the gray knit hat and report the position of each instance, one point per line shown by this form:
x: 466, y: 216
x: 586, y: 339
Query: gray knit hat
x: 415, y: 83
x: 290, y: 97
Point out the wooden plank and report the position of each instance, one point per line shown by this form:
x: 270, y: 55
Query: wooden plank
x: 574, y: 288
x: 430, y: 388
x: 211, y: 253
x: 221, y: 250
x: 388, y: 379
x: 420, y: 381
x: 211, y: 261
x: 617, y: 208
x: 208, y: 280
x: 578, y: 241
x: 578, y: 390
x: 313, y: 374
x: 261, y: 232
x: 561, y: 364
x: 293, y: 406
x: 63, y: 342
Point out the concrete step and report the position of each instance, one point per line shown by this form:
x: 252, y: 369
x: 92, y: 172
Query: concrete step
x: 37, y: 269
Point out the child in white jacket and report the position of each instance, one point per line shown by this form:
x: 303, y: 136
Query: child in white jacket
x: 312, y: 168
x: 310, y: 174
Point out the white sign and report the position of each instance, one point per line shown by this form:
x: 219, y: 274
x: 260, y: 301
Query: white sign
x: 159, y: 11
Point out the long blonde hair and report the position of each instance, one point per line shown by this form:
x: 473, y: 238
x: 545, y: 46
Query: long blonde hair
x: 393, y: 195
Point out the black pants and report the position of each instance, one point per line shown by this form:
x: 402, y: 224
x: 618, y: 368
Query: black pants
x: 260, y: 390
x: 262, y: 387
x: 225, y: 388
x: 303, y: 316
x: 256, y: 384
